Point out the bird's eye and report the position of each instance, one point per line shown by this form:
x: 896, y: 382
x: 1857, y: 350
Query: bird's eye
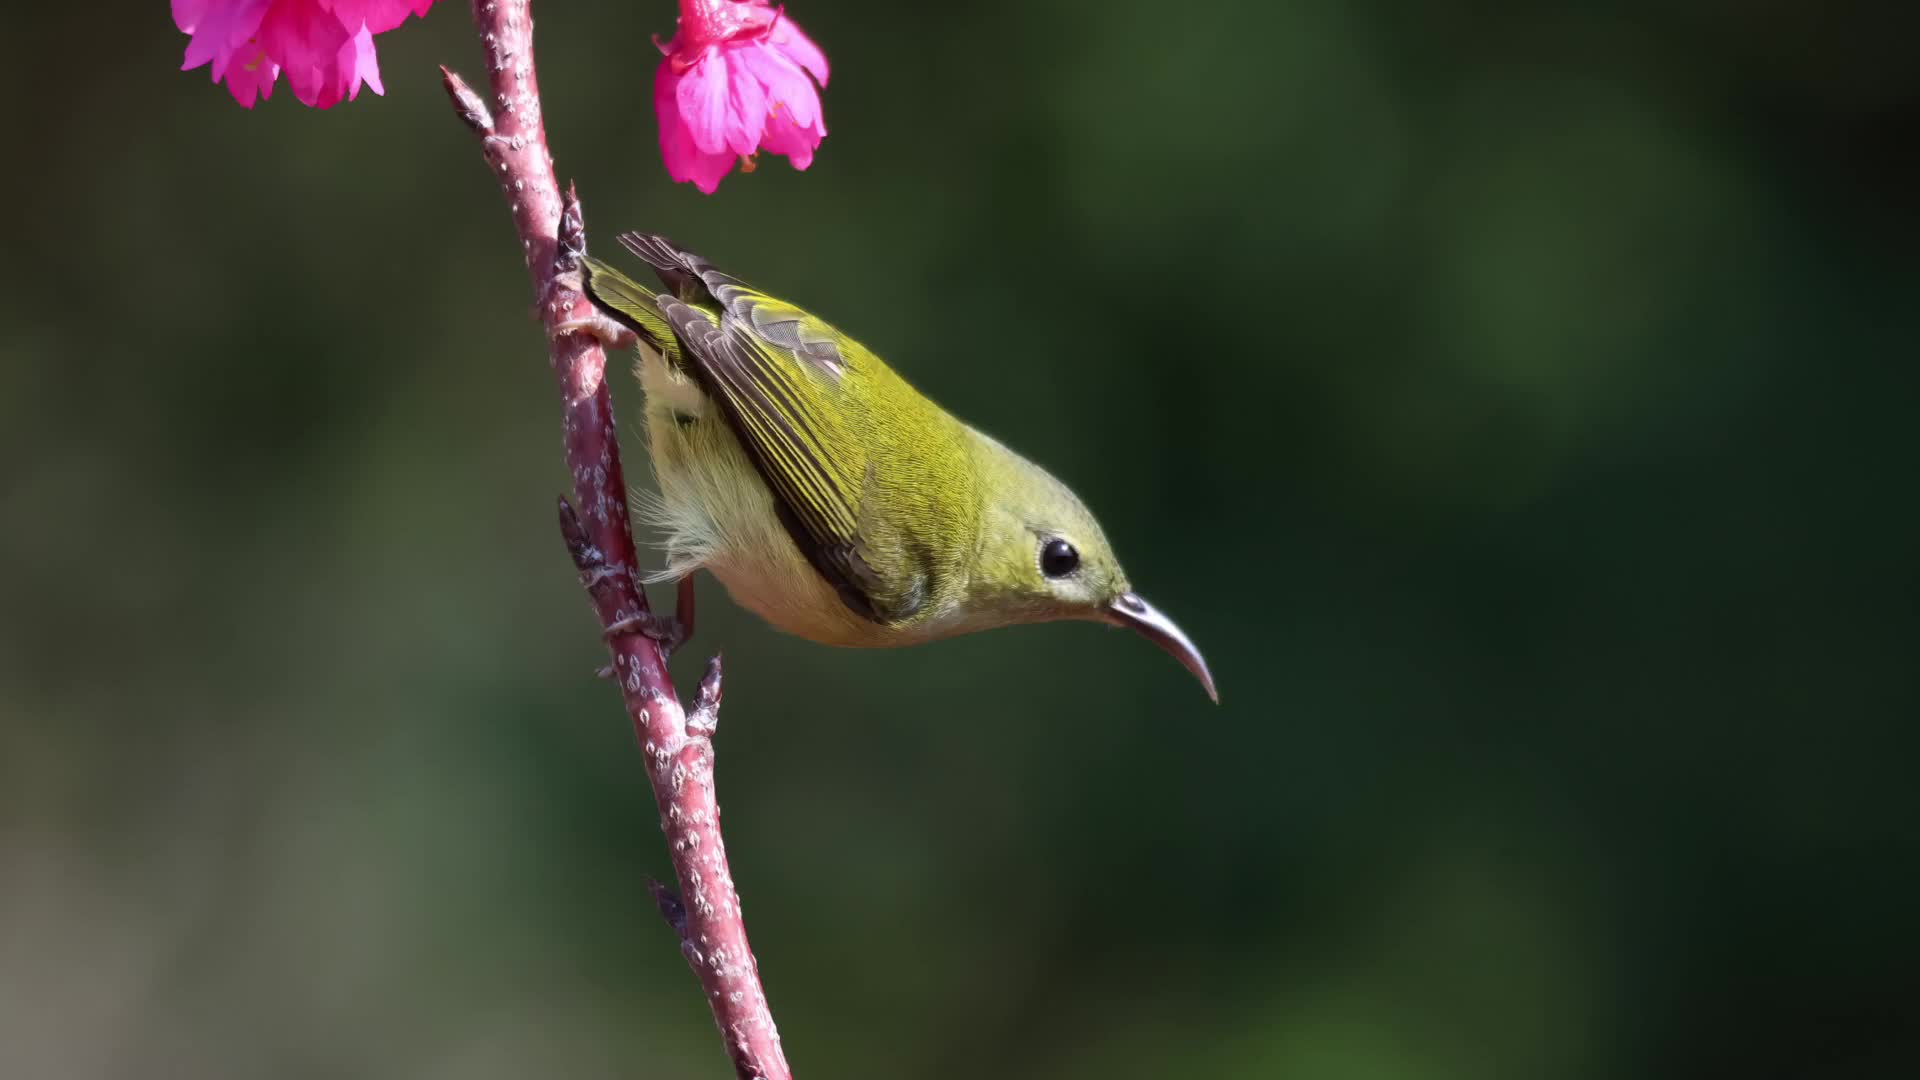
x: 1058, y: 559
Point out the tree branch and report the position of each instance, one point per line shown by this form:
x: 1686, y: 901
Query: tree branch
x: 599, y: 536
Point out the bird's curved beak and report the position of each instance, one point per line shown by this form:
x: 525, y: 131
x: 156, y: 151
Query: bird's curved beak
x: 1135, y: 614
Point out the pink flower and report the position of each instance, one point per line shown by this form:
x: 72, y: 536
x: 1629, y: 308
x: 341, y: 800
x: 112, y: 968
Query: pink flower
x: 325, y: 47
x: 735, y: 82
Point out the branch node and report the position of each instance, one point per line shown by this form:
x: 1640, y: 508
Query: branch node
x: 705, y: 717
x: 468, y: 105
x: 671, y: 909
x: 573, y: 235
x: 586, y: 558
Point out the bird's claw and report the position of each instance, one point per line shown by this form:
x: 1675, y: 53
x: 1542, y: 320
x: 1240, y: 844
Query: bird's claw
x: 668, y: 631
x: 598, y: 326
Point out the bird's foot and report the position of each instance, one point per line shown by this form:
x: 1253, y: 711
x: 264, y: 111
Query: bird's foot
x: 598, y: 326
x: 668, y: 631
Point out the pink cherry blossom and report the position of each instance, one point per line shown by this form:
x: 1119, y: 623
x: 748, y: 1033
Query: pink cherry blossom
x: 734, y: 82
x: 324, y: 47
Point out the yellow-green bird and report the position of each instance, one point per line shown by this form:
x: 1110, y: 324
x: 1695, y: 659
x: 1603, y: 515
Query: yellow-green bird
x: 831, y: 498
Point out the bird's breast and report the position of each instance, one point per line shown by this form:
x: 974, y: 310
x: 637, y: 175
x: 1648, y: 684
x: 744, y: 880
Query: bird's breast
x: 717, y: 514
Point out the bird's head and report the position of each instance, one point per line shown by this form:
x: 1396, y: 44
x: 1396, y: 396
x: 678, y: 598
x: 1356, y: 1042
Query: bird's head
x: 1043, y: 557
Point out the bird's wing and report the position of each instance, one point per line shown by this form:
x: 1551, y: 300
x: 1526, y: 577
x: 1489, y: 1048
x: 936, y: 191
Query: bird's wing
x: 777, y: 373
x: 779, y: 324
x: 633, y: 305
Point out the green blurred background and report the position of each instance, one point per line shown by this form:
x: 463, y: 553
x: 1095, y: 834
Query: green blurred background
x: 1514, y: 404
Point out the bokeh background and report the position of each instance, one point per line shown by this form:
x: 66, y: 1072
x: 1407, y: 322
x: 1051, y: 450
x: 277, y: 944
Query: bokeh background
x: 1514, y: 402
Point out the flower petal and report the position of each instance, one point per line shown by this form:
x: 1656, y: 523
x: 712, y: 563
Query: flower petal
x: 746, y: 106
x: 685, y: 161
x: 379, y: 16
x: 188, y: 13
x: 219, y: 32
x: 789, y: 40
x: 702, y: 99
x: 797, y: 143
x: 786, y: 84
x: 325, y: 47
x: 252, y: 78
x: 358, y: 64
x: 305, y: 40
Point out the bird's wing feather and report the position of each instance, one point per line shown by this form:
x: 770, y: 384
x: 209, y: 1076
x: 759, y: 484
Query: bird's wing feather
x: 632, y: 304
x: 779, y: 324
x: 780, y: 401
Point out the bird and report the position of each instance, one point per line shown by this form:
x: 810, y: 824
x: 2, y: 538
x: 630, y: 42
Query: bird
x: 828, y: 495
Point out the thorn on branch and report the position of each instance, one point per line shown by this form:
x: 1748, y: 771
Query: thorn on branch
x: 671, y: 909
x: 595, y: 573
x: 705, y: 717
x: 469, y: 106
x: 586, y: 558
x: 573, y: 234
x: 602, y: 582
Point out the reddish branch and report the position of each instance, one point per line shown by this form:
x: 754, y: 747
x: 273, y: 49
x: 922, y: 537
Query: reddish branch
x: 678, y: 745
